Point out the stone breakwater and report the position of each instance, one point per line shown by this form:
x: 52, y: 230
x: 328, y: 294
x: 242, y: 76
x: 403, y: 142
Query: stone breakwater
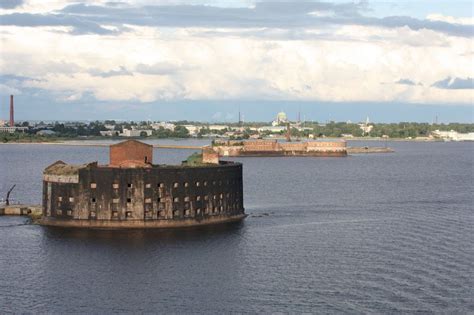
x: 357, y: 150
x: 20, y: 209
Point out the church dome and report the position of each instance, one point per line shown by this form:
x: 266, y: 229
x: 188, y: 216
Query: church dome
x: 281, y: 116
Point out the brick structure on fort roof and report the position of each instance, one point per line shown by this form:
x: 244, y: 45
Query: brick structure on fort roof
x: 131, y: 153
x: 210, y: 156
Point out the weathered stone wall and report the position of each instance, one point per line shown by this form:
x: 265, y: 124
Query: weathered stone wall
x: 261, y: 145
x: 293, y: 146
x: 228, y: 150
x: 157, y: 193
x: 61, y: 178
x: 273, y: 148
x: 327, y: 146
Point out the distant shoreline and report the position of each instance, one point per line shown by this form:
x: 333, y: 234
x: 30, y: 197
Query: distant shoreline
x: 101, y: 142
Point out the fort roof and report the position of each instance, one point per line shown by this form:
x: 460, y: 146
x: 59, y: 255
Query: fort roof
x: 135, y: 154
x: 61, y: 168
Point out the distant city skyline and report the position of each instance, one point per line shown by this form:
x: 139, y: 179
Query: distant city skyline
x: 227, y: 111
x: 199, y: 60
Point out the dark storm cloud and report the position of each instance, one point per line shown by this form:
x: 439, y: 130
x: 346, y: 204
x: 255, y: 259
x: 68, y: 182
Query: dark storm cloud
x: 455, y: 84
x: 407, y: 82
x: 81, y: 25
x: 162, y: 68
x: 121, y: 71
x: 283, y: 15
x: 10, y: 4
x: 12, y: 77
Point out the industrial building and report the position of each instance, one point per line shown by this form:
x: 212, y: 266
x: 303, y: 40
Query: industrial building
x: 11, y: 124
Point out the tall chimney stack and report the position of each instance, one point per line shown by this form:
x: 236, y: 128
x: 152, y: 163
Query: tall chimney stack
x: 12, y: 119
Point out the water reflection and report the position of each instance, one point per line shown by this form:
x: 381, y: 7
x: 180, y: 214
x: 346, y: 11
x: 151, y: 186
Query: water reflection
x: 136, y: 237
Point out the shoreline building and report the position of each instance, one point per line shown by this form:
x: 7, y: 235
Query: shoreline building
x: 453, y: 135
x: 11, y: 124
x: 131, y: 192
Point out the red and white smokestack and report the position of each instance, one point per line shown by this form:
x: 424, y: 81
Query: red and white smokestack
x: 12, y: 117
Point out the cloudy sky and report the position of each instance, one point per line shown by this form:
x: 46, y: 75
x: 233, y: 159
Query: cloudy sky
x: 202, y: 60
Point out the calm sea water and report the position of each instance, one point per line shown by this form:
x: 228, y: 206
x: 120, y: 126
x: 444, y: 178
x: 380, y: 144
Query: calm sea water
x: 375, y: 233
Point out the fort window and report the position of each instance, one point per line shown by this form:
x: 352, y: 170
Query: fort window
x: 128, y: 214
x: 187, y: 212
x: 175, y: 185
x: 214, y: 197
x: 129, y: 200
x: 147, y: 200
x: 158, y: 199
x: 186, y: 199
x: 93, y: 200
x: 114, y: 214
x: 92, y: 214
x: 176, y: 213
x: 205, y: 183
x: 198, y: 198
x: 222, y: 208
x: 130, y: 185
x: 160, y: 213
x: 176, y: 199
x: 115, y: 186
x: 161, y: 185
x: 215, y: 209
x: 221, y: 196
x: 71, y: 199
x: 59, y: 212
x: 186, y: 184
x: 198, y: 184
x: 206, y: 197
x: 148, y: 214
x: 60, y: 198
x: 198, y: 211
x: 148, y: 186
x: 93, y: 185
x: 227, y: 195
x: 214, y: 183
x: 186, y: 205
x: 69, y: 212
x: 115, y: 200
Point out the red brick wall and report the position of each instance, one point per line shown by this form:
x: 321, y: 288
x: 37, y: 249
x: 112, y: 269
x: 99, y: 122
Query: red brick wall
x: 293, y: 146
x: 261, y: 145
x: 131, y: 150
x: 210, y: 156
x: 338, y: 144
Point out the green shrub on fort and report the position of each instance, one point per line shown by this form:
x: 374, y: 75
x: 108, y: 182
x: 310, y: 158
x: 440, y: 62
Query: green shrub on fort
x: 194, y: 159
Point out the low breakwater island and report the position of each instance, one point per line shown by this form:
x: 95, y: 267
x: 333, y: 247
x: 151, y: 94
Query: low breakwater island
x: 102, y: 143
